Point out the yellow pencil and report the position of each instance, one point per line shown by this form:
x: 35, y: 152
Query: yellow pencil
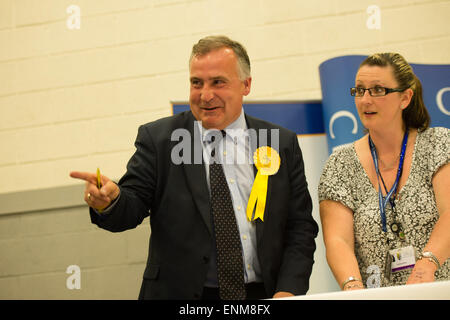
x: 99, y: 184
x: 99, y: 180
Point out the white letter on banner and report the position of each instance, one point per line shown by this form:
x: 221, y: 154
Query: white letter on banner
x: 339, y: 114
x: 74, y: 20
x: 439, y: 101
x: 74, y: 281
x: 374, y: 20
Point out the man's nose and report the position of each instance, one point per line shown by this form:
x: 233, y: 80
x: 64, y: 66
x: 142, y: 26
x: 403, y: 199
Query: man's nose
x: 207, y: 94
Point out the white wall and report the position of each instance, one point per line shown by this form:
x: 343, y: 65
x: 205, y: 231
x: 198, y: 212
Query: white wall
x: 315, y: 153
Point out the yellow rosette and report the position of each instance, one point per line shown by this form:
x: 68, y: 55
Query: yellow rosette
x: 267, y: 161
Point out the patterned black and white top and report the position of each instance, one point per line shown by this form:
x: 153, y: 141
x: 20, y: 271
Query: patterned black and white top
x: 344, y: 180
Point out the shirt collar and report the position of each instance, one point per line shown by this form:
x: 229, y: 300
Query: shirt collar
x: 239, y: 123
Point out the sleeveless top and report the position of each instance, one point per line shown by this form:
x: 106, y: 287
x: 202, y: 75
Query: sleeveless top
x: 344, y: 180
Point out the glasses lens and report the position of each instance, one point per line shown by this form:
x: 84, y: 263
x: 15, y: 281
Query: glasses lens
x: 357, y: 92
x: 360, y: 91
x: 377, y: 91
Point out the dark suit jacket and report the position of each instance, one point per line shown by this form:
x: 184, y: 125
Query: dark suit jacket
x: 177, y: 199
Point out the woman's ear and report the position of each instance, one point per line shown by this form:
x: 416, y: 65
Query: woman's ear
x: 406, y: 98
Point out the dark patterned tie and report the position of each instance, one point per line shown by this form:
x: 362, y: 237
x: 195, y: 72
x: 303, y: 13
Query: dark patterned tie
x: 230, y: 267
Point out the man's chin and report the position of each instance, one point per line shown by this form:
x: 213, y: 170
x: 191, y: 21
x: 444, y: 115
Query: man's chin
x: 212, y: 123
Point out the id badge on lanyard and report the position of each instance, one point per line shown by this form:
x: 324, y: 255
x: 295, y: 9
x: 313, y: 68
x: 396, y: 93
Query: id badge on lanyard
x: 404, y: 257
x: 381, y: 200
x: 400, y: 259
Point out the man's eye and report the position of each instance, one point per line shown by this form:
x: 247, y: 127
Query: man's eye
x: 196, y: 83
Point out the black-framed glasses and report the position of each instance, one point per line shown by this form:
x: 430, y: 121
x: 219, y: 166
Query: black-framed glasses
x: 374, y: 92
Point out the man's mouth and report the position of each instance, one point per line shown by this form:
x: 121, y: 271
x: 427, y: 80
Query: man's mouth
x: 369, y: 112
x: 209, y: 108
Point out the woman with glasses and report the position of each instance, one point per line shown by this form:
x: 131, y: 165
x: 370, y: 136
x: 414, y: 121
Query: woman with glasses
x: 385, y: 199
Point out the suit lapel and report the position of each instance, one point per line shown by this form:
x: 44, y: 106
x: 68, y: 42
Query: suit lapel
x: 196, y: 176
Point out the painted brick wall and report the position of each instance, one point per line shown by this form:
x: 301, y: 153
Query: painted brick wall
x: 72, y: 99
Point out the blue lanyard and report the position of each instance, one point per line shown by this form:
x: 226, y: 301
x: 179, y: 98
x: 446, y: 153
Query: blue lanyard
x: 381, y: 200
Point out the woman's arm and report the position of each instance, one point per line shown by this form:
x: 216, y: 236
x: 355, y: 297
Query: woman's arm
x: 439, y: 242
x: 337, y: 225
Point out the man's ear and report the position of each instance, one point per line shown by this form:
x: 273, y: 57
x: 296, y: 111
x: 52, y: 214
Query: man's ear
x: 247, y: 86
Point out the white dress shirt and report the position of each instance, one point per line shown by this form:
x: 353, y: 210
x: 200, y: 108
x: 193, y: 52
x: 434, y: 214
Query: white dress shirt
x: 235, y: 153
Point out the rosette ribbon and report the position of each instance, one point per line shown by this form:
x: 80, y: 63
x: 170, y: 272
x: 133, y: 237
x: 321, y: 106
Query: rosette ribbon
x: 267, y: 161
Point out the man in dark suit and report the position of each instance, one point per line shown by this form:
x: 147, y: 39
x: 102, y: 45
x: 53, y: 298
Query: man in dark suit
x: 174, y: 188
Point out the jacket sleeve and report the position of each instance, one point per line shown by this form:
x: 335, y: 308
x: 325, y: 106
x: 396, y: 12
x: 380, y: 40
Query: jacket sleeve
x: 137, y: 188
x: 301, y: 230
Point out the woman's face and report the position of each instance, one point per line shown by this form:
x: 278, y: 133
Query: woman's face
x: 381, y: 112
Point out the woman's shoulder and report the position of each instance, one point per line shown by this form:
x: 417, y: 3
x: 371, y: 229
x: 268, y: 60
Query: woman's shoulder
x: 336, y: 180
x: 435, y: 133
x: 432, y: 138
x: 341, y: 159
x: 434, y: 145
x: 343, y: 150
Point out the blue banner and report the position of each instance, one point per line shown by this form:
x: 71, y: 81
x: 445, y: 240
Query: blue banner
x: 341, y: 121
x: 300, y: 117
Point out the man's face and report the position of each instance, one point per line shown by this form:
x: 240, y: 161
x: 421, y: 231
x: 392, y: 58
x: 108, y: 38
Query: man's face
x: 217, y: 93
